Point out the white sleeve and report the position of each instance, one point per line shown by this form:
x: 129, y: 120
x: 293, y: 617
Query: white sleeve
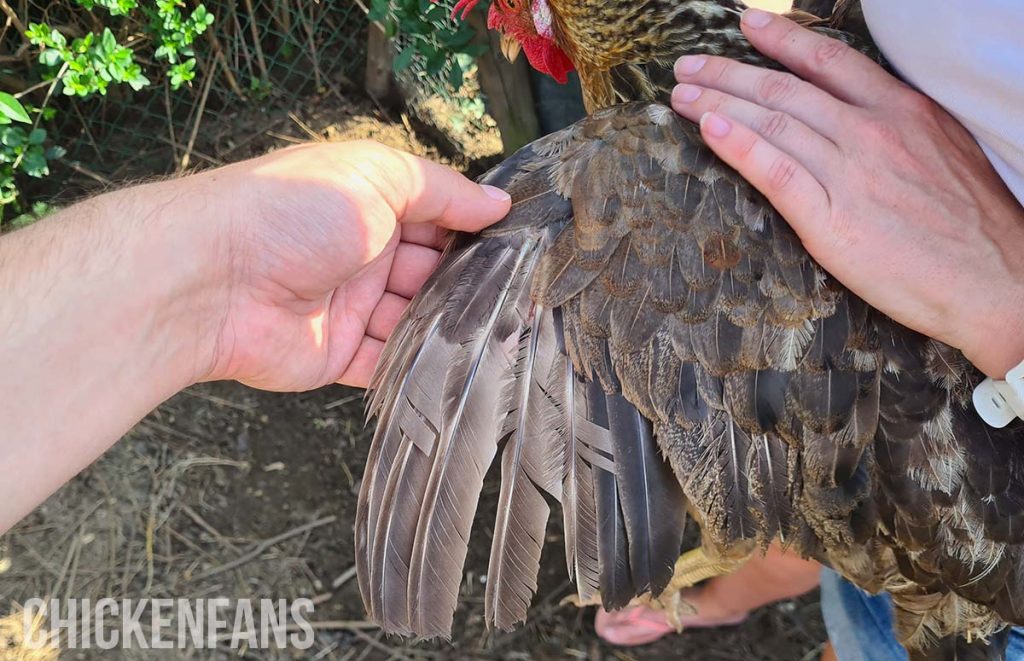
x: 968, y: 55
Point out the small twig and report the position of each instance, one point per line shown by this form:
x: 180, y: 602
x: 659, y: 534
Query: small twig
x: 258, y: 134
x: 218, y: 53
x: 313, y: 57
x: 38, y: 557
x: 306, y: 128
x: 407, y: 124
x: 220, y: 401
x: 287, y: 138
x: 41, y: 84
x: 85, y: 127
x: 348, y: 475
x: 171, y: 431
x: 343, y: 401
x: 13, y: 17
x: 170, y: 118
x: 343, y: 578
x: 46, y: 100
x: 263, y: 546
x: 195, y: 152
x: 187, y: 542
x: 254, y: 29
x: 81, y: 169
x: 205, y: 525
x: 373, y: 642
x: 211, y: 73
x: 284, y: 20
x: 334, y: 625
x: 18, y: 56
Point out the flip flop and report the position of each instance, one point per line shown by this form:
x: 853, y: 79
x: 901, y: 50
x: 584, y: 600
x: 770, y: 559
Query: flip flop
x: 640, y: 625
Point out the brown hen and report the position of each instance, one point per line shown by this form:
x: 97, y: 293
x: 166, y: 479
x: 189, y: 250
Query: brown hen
x: 645, y: 336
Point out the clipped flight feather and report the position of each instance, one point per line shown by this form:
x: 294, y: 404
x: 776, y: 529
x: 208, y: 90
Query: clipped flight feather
x: 579, y: 509
x: 470, y: 419
x: 531, y: 465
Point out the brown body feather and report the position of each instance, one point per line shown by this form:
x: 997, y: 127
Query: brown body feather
x: 642, y: 301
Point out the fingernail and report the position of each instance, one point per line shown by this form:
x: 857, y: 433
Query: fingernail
x: 715, y: 125
x: 686, y: 93
x: 756, y: 18
x: 691, y: 64
x: 496, y: 193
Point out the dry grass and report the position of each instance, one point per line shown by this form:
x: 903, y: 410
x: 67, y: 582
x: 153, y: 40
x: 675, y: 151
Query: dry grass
x: 14, y: 646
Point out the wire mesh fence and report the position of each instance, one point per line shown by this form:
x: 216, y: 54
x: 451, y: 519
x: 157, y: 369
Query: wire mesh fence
x: 259, y: 60
x: 256, y: 53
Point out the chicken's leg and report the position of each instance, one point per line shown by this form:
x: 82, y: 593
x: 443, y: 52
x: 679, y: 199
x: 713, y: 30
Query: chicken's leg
x: 691, y: 568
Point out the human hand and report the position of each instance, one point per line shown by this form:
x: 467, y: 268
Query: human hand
x: 286, y: 272
x: 888, y: 192
x: 323, y: 255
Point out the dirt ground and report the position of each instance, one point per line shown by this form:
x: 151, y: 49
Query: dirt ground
x: 228, y: 491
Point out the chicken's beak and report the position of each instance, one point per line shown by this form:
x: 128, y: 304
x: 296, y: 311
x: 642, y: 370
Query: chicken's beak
x: 510, y: 47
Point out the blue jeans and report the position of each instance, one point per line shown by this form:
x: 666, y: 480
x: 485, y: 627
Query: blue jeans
x: 860, y: 625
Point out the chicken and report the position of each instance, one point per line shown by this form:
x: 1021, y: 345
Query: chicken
x: 645, y: 337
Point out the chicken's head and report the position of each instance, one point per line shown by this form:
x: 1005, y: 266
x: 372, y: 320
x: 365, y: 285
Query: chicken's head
x: 526, y: 24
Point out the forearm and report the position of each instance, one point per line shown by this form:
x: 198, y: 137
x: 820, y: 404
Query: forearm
x: 103, y: 315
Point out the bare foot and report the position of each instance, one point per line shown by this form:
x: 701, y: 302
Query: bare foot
x: 722, y: 601
x: 640, y: 625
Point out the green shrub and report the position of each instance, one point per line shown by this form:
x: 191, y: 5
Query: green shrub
x: 86, y: 66
x: 443, y: 45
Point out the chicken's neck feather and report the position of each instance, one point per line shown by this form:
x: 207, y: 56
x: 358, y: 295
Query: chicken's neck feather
x: 652, y: 33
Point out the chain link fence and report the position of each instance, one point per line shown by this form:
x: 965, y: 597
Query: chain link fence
x: 258, y: 52
x: 258, y: 61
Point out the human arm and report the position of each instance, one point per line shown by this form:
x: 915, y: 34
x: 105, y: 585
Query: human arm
x: 286, y: 272
x: 886, y: 190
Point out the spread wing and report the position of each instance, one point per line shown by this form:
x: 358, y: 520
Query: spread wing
x: 642, y: 301
x: 476, y: 365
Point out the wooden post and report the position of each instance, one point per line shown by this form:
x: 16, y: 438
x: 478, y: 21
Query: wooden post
x: 507, y: 87
x: 380, y: 77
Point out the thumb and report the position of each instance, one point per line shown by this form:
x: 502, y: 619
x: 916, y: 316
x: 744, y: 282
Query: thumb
x: 421, y: 191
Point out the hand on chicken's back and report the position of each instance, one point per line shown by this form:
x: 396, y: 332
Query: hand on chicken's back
x: 887, y: 191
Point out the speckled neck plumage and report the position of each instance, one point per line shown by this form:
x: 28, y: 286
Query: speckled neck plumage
x: 652, y: 33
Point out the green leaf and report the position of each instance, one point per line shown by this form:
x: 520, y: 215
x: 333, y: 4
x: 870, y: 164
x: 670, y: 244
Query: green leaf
x: 49, y: 57
x: 37, y: 33
x: 12, y: 109
x: 109, y: 42
x: 12, y: 137
x: 455, y: 75
x: 404, y: 58
x: 37, y: 136
x: 378, y: 10
x: 138, y: 82
x: 34, y: 163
